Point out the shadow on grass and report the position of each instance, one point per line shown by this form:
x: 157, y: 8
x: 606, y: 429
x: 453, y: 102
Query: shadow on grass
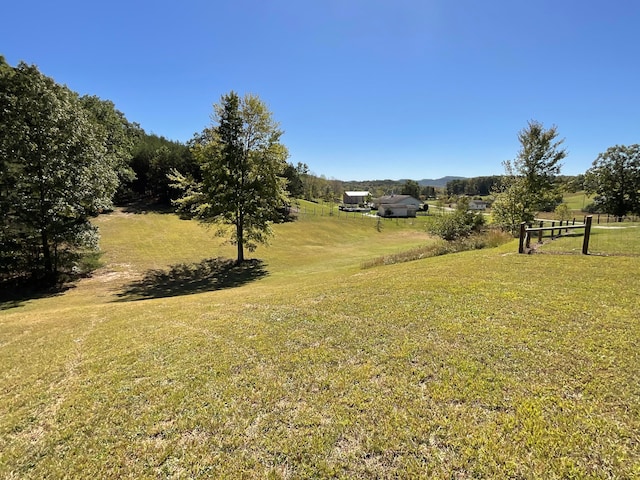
x: 14, y: 294
x: 142, y: 207
x: 185, y: 279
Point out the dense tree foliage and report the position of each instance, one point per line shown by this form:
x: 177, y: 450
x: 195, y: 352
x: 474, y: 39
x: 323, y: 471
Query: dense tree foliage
x: 428, y: 191
x: 316, y: 187
x: 412, y: 188
x: 152, y: 160
x: 295, y: 185
x: 615, y: 180
x: 572, y: 184
x: 117, y: 133
x: 60, y: 157
x: 472, y: 186
x: 511, y: 205
x: 242, y: 164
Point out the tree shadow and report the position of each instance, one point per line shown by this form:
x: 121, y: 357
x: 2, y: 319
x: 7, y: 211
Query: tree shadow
x: 186, y: 279
x: 14, y: 294
x: 142, y: 207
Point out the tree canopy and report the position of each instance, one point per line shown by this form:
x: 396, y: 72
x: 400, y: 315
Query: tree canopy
x: 242, y: 164
x: 60, y: 157
x: 615, y: 180
x: 412, y: 188
x: 153, y: 159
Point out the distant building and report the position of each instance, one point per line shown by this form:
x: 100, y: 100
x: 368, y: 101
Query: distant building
x: 477, y: 205
x: 355, y: 198
x: 397, y: 206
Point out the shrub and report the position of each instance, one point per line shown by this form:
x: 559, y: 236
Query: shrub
x: 460, y: 224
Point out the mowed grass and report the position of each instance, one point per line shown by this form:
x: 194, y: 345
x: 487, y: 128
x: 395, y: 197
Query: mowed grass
x: 483, y: 364
x: 577, y: 201
x: 606, y: 239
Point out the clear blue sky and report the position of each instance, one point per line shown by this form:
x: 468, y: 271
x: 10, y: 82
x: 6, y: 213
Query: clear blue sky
x: 364, y: 89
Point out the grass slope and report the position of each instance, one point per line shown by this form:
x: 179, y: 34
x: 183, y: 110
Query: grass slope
x: 479, y: 364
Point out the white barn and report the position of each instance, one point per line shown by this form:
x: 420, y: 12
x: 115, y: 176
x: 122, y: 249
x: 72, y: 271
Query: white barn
x: 355, y: 198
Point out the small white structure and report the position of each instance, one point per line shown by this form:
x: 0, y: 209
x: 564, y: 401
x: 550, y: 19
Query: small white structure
x: 477, y: 205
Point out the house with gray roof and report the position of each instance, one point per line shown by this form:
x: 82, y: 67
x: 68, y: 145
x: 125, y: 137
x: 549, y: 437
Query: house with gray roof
x: 397, y: 206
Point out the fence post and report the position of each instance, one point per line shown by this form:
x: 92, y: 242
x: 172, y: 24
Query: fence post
x: 523, y: 229
x: 540, y: 232
x: 587, y: 234
x: 553, y: 224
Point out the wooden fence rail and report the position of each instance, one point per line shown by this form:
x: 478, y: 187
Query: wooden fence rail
x: 525, y: 233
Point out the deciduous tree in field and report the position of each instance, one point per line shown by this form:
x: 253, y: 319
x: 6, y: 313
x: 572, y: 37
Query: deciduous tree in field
x: 538, y: 162
x: 615, y: 179
x: 242, y: 163
x: 529, y: 183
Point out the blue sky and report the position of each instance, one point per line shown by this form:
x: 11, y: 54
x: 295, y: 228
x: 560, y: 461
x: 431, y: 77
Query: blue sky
x: 364, y: 89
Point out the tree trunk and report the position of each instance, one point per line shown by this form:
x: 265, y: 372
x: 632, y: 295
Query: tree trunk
x: 239, y: 238
x: 46, y: 254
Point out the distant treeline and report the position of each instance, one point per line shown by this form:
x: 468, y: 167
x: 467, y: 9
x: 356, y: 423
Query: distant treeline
x: 473, y: 186
x: 483, y: 186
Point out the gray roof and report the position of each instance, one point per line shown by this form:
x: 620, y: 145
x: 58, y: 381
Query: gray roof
x: 392, y: 199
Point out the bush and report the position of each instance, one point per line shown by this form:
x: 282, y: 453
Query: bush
x: 460, y: 224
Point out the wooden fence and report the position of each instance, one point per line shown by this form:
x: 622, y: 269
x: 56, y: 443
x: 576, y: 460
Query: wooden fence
x: 524, y: 245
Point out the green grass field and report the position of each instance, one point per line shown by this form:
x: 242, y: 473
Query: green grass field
x: 481, y: 364
x: 577, y: 201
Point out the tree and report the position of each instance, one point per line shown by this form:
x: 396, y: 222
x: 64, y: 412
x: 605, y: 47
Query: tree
x: 412, y: 188
x: 512, y: 204
x: 242, y: 163
x: 117, y: 133
x: 562, y: 212
x: 428, y: 191
x: 538, y: 163
x: 615, y: 179
x: 529, y: 183
x: 56, y: 171
x: 153, y: 159
x: 459, y: 224
x: 295, y: 187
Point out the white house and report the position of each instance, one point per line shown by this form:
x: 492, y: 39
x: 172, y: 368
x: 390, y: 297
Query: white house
x: 397, y: 206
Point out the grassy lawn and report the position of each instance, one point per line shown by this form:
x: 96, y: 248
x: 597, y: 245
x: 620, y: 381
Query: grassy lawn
x: 577, y: 201
x: 482, y: 364
x: 605, y: 239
